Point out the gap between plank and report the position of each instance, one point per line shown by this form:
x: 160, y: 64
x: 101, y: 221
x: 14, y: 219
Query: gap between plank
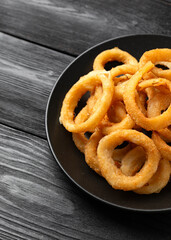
x: 39, y: 44
x: 20, y: 130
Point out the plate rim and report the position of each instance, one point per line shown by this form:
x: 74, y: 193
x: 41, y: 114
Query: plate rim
x: 157, y: 210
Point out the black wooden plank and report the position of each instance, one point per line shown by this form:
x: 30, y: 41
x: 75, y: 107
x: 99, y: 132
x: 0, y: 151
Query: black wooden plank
x: 27, y: 75
x: 37, y: 201
x: 73, y: 26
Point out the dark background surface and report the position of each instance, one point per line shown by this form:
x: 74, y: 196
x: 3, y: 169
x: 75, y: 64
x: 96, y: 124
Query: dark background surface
x: 38, y: 39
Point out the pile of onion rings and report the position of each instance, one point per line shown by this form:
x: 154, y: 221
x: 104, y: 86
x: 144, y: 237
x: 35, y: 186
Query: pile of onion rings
x: 124, y: 128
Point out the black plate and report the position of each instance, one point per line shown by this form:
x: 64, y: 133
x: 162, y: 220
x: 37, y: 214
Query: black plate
x: 60, y: 141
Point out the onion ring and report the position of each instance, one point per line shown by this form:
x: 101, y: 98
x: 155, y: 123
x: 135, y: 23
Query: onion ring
x: 121, y: 70
x: 159, y: 102
x: 162, y: 146
x: 159, y: 179
x: 154, y: 123
x: 86, y: 83
x: 91, y: 151
x: 165, y: 134
x: 114, y: 54
x: 112, y: 174
x: 80, y: 141
x: 156, y: 56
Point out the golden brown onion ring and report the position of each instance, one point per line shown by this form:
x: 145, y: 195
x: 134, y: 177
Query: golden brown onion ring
x: 165, y: 134
x: 159, y: 179
x: 86, y: 83
x: 162, y: 146
x: 120, y: 85
x: 156, y: 56
x: 80, y: 141
x: 114, y: 54
x: 112, y: 174
x: 154, y: 123
x: 158, y: 103
x: 91, y: 151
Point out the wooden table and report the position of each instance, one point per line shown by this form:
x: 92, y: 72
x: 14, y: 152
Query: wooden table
x: 38, y: 39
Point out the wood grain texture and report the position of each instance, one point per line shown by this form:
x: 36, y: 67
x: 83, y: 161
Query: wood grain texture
x: 27, y: 75
x: 74, y: 26
x: 37, y: 201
